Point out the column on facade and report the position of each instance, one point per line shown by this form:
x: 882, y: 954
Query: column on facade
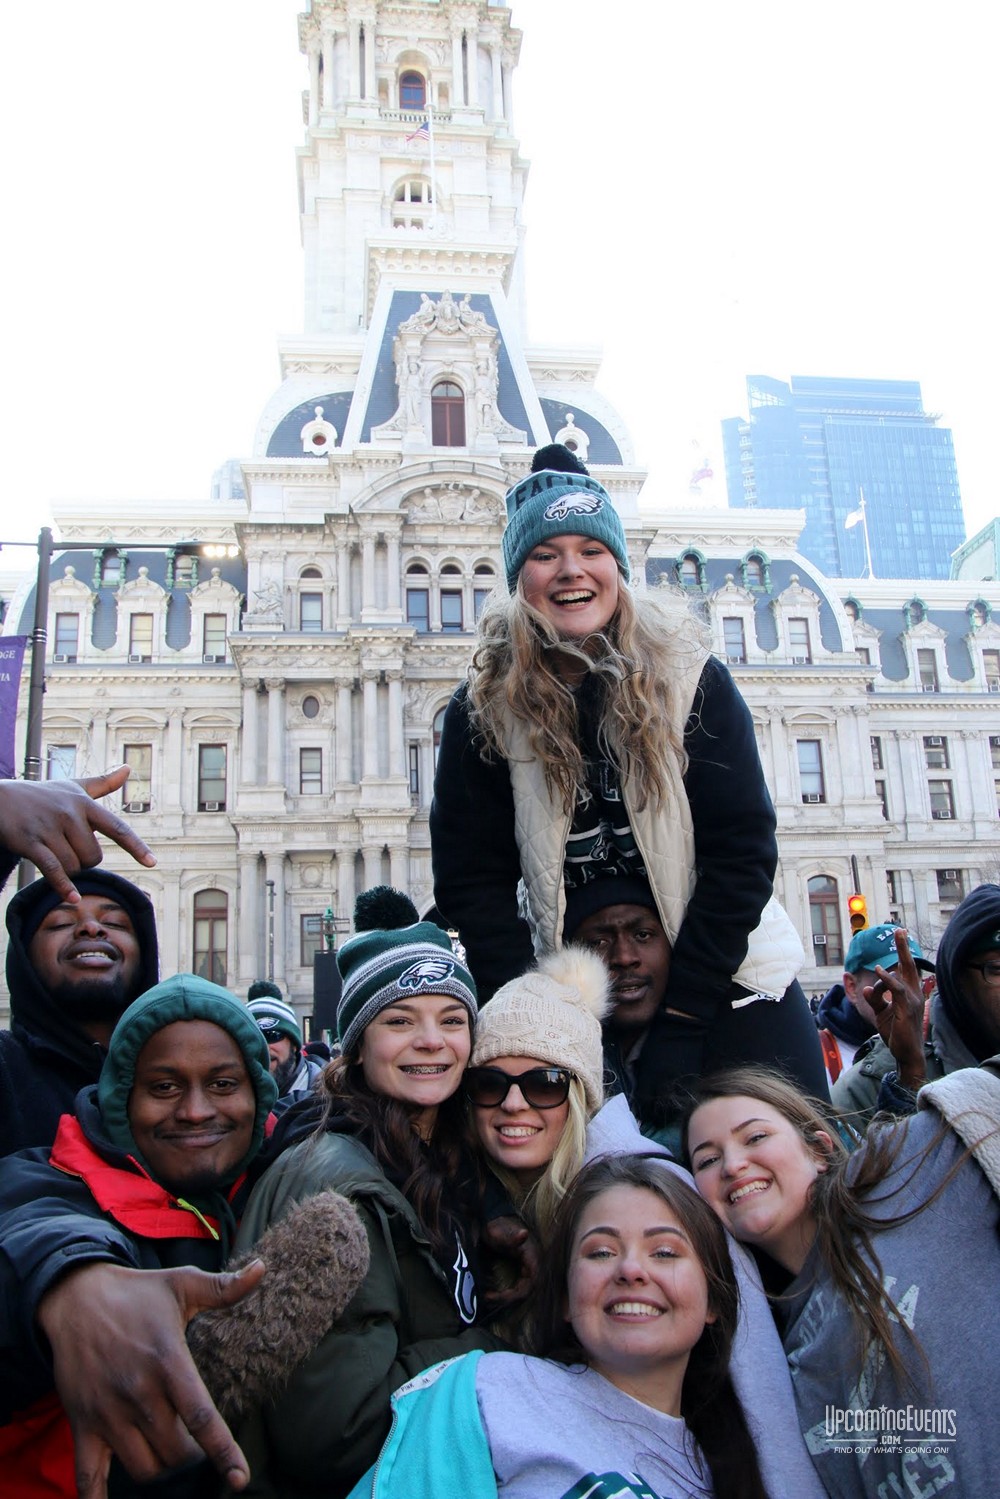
x: 397, y: 765
x: 395, y: 597
x: 472, y: 60
x: 354, y: 59
x: 912, y: 776
x: 496, y: 65
x: 369, y: 759
x: 275, y: 865
x: 508, y: 109
x: 248, y: 761
x: 372, y: 857
x: 371, y: 88
x: 782, y: 750
x: 850, y: 761
x: 344, y: 583
x: 345, y: 738
x: 399, y: 868
x: 329, y: 36
x: 313, y: 85
x: 249, y: 963
x: 367, y: 572
x: 458, y: 91
x: 974, y: 776
x: 275, y: 732
x: 99, y: 744
x: 175, y: 934
x: 173, y: 758
x: 345, y: 893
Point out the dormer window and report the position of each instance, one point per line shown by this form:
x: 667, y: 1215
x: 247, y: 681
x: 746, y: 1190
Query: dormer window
x: 412, y: 91
x: 448, y: 415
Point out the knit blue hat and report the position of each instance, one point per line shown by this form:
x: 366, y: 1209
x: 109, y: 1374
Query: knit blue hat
x: 559, y: 498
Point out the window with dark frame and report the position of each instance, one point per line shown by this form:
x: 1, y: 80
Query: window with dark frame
x: 927, y: 671
x: 936, y: 752
x: 418, y: 609
x: 811, y: 782
x: 824, y: 919
x: 310, y: 938
x: 734, y: 640
x: 942, y: 803
x: 447, y: 415
x: 310, y: 772
x: 451, y: 610
x: 140, y: 636
x: 67, y: 636
x: 799, y: 644
x: 137, y: 791
x: 412, y: 91
x: 413, y: 757
x: 310, y: 613
x: 876, y: 745
x: 211, y: 934
x: 214, y: 636
x: 211, y: 778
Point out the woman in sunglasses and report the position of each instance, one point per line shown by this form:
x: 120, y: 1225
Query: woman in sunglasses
x: 536, y: 1078
x: 391, y: 1139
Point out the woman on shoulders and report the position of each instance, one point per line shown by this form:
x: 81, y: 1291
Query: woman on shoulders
x: 597, y: 738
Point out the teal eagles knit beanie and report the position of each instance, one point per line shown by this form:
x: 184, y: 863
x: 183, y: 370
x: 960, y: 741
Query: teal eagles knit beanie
x: 382, y: 965
x: 274, y: 1016
x: 183, y: 997
x: 559, y: 498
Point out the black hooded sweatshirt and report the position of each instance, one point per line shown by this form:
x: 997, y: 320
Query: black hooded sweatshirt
x: 45, y: 1057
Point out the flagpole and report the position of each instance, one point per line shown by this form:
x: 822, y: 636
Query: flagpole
x: 864, y: 527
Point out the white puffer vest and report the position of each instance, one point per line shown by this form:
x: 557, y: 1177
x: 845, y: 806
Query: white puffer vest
x: 665, y: 838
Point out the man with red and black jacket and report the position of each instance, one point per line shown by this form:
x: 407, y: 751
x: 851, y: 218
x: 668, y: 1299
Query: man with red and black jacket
x: 147, y: 1173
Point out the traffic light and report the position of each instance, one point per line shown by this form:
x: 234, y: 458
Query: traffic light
x: 858, y: 909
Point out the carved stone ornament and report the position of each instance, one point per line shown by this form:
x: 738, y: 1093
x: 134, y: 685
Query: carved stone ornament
x: 268, y: 604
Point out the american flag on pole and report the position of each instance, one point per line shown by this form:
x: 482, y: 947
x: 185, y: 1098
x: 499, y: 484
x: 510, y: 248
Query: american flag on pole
x: 422, y: 132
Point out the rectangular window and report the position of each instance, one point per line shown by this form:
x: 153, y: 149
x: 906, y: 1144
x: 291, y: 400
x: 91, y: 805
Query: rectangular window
x: 942, y: 806
x: 211, y: 778
x: 310, y: 613
x: 936, y: 752
x: 213, y: 639
x: 414, y: 766
x: 111, y: 570
x: 310, y: 939
x: 995, y: 751
x: 799, y: 644
x: 734, y: 640
x: 137, y: 791
x: 996, y: 788
x: 950, y: 884
x: 895, y: 886
x: 451, y: 609
x: 864, y: 655
x: 811, y: 770
x: 140, y: 636
x: 310, y: 772
x: 876, y: 745
x: 479, y: 597
x: 927, y: 672
x: 60, y: 762
x: 991, y: 666
x: 418, y: 609
x: 880, y: 792
x: 67, y: 641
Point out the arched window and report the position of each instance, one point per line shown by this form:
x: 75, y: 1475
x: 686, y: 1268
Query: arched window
x: 852, y: 609
x: 824, y: 919
x: 484, y: 581
x: 412, y: 90
x: 447, y: 415
x: 411, y: 204
x: 211, y: 931
x: 690, y: 570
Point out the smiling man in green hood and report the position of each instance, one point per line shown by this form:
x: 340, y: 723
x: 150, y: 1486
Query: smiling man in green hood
x: 149, y: 1172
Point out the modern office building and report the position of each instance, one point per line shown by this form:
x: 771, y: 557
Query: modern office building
x: 819, y: 445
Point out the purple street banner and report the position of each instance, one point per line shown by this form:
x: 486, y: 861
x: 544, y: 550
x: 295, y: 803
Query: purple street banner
x: 11, y: 660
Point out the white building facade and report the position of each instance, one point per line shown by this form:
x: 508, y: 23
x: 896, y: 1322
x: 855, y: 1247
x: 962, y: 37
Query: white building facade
x: 280, y: 700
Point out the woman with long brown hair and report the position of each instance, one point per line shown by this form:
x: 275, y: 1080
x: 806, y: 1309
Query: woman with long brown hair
x: 390, y: 1139
x: 598, y: 752
x: 880, y: 1265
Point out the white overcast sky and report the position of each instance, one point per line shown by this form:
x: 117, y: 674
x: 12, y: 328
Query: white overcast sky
x: 717, y: 189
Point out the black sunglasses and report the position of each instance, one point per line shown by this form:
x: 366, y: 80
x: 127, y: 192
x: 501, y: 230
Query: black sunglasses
x: 541, y: 1087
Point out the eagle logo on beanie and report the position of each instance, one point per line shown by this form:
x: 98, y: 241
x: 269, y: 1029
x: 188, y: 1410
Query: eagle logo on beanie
x: 427, y: 971
x: 573, y: 504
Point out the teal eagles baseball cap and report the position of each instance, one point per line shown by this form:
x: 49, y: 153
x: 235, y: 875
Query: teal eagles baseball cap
x: 875, y: 946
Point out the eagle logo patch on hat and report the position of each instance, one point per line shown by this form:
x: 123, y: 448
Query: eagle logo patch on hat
x: 573, y: 504
x: 427, y: 972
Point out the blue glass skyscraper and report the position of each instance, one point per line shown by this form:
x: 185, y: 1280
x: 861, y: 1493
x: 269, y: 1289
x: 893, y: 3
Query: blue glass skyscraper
x: 816, y: 444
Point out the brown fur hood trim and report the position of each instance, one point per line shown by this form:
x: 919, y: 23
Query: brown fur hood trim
x: 316, y: 1258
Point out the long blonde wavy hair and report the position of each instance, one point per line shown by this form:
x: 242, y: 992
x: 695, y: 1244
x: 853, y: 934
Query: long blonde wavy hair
x: 515, y: 671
